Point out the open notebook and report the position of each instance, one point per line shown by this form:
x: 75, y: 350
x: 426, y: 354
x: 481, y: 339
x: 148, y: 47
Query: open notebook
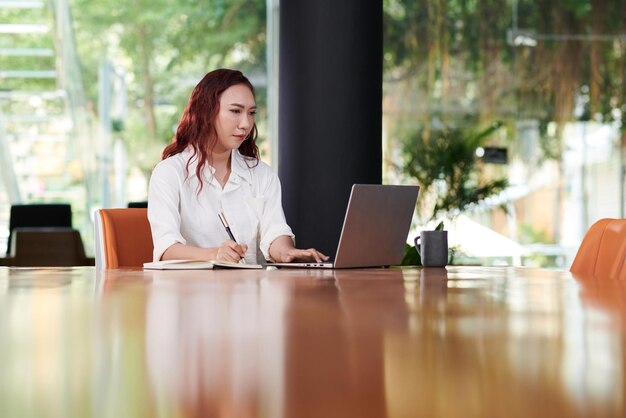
x: 196, y: 265
x: 375, y: 227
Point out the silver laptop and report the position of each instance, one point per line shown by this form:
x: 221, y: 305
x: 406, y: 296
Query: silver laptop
x: 375, y: 228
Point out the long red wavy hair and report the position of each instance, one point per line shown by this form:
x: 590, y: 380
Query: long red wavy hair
x: 197, y: 124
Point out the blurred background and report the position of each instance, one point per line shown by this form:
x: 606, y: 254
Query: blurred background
x: 508, y: 114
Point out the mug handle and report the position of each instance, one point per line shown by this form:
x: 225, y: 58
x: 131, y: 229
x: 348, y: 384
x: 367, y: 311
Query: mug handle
x: 417, y: 243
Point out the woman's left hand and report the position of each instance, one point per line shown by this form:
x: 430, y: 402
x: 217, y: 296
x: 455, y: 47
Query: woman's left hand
x: 295, y: 254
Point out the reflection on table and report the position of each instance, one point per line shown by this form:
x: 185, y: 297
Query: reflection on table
x: 461, y: 341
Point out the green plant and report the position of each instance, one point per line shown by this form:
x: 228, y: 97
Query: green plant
x: 445, y: 164
x: 411, y: 256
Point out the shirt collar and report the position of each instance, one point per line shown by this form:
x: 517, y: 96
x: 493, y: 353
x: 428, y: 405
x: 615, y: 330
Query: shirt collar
x: 239, y: 166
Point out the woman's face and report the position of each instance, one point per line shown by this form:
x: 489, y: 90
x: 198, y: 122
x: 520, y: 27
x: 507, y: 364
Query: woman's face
x: 235, y: 118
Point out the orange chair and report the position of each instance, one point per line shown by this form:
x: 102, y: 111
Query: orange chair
x: 123, y: 238
x: 602, y: 254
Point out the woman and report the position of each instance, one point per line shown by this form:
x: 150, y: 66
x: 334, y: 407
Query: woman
x: 212, y: 167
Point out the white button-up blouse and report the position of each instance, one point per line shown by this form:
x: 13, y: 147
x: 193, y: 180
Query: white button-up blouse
x: 250, y: 201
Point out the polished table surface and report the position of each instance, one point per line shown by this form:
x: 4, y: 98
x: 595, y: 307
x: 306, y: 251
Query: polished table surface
x: 455, y: 342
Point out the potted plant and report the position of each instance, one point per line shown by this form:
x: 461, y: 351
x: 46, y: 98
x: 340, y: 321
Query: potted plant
x: 445, y: 164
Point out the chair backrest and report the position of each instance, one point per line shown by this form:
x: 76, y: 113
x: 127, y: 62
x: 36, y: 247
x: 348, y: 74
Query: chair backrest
x: 138, y: 204
x: 39, y: 215
x: 123, y: 238
x: 47, y: 247
x: 602, y: 254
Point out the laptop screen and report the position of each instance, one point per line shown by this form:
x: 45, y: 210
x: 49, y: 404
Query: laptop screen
x: 375, y: 227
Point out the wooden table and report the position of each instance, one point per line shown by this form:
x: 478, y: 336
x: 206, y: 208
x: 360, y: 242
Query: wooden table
x: 455, y: 342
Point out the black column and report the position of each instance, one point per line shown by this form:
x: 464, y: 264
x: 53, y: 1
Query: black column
x: 330, y: 117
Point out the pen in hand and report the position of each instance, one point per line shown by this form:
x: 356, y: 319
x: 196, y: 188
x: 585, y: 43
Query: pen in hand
x: 228, y: 231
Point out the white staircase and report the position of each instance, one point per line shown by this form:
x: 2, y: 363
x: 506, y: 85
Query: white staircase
x: 44, y: 154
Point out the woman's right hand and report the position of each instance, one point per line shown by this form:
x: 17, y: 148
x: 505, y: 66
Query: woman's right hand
x: 230, y: 251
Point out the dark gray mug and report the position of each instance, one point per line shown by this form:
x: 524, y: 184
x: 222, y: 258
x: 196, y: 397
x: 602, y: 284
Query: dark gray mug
x: 433, y: 248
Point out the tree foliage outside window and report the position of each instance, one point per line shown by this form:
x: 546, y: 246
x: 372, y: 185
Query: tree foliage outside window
x: 451, y: 61
x: 163, y: 48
